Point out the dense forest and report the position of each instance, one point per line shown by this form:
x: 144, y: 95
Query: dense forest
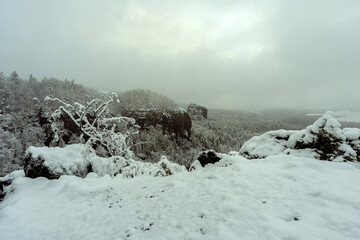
x: 25, y: 121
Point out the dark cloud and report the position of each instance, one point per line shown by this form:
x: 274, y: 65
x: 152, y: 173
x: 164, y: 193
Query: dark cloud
x: 223, y: 54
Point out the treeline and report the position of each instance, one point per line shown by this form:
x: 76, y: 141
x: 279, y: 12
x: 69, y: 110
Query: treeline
x: 23, y: 113
x: 24, y: 122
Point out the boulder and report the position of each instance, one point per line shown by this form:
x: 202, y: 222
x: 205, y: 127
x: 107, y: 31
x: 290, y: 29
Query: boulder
x: 208, y: 157
x: 175, y: 121
x: 268, y: 144
x: 55, y: 161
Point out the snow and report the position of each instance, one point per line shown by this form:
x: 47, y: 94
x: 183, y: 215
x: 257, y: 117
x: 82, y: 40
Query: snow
x: 278, y: 197
x: 74, y: 160
x: 329, y: 124
x: 11, y: 176
x: 129, y: 168
x: 67, y: 160
x: 270, y: 143
x: 348, y: 151
x: 351, y: 133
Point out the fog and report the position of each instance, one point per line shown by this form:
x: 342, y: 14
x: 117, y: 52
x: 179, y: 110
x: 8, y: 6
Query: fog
x: 221, y: 54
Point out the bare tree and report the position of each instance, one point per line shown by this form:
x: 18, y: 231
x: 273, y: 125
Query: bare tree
x: 95, y: 125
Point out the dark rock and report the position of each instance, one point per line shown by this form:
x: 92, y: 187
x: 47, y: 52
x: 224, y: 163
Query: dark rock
x: 172, y: 121
x: 34, y: 167
x: 52, y: 163
x: 180, y: 124
x: 197, y: 112
x: 2, y: 195
x: 207, y: 157
x: 4, y: 182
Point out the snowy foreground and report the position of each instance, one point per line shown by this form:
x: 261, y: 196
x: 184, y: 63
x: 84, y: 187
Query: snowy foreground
x: 279, y: 197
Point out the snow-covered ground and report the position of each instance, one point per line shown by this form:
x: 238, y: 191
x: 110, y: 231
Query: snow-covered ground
x: 278, y: 197
x: 342, y: 116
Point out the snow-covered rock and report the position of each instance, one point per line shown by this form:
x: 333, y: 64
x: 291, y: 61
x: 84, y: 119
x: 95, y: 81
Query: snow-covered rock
x: 7, y: 180
x: 208, y: 157
x: 322, y: 140
x: 54, y: 162
x: 268, y: 144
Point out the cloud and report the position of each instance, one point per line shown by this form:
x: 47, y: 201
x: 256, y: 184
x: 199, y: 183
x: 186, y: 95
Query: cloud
x: 223, y: 54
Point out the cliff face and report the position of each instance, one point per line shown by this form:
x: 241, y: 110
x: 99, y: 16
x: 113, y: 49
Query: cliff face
x: 171, y: 121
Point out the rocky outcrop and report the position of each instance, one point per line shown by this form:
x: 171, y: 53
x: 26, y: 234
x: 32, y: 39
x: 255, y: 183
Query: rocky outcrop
x: 197, y: 112
x: 176, y: 122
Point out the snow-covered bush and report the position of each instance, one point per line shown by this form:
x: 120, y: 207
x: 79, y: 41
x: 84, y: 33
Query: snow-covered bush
x: 130, y: 168
x: 352, y: 136
x: 325, y: 136
x: 94, y: 124
x: 322, y: 140
x: 167, y: 168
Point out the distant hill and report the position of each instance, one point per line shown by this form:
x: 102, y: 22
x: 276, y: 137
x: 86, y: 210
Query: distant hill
x: 145, y: 99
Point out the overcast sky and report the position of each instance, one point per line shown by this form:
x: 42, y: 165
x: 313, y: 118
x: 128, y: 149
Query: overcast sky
x: 221, y: 54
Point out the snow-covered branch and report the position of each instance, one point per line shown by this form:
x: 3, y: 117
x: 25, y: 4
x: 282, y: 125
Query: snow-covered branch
x: 94, y: 122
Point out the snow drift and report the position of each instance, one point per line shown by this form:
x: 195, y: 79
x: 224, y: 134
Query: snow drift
x: 279, y: 197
